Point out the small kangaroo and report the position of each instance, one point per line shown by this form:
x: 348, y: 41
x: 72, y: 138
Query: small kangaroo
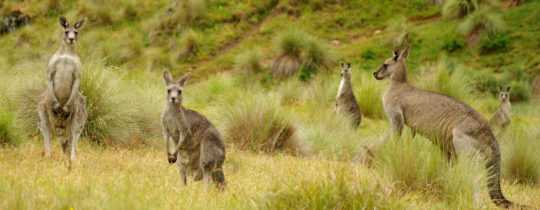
x: 501, y: 118
x: 445, y: 120
x: 191, y: 138
x: 345, y: 100
x: 62, y: 106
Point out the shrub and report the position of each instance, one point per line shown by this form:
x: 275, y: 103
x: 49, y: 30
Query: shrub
x: 258, y: 124
x: 494, y: 43
x: 249, y: 61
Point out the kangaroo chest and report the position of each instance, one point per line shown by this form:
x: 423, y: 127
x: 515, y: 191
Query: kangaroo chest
x: 65, y: 67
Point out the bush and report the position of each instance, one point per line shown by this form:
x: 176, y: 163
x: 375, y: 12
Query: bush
x: 249, y: 61
x: 317, y: 56
x: 258, y: 124
x: 494, y: 43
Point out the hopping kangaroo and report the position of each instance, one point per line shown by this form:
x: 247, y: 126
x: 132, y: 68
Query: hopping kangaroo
x: 445, y: 120
x: 345, y: 101
x: 501, y: 119
x: 62, y: 107
x: 191, y: 138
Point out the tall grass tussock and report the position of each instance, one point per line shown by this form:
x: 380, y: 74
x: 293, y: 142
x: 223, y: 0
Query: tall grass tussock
x: 521, y: 160
x: 259, y: 124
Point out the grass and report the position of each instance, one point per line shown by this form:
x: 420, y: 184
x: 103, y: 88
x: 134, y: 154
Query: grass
x: 249, y: 61
x: 522, y: 163
x: 127, y: 44
x: 259, y: 125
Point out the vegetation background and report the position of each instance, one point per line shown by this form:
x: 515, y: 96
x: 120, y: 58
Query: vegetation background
x: 266, y: 73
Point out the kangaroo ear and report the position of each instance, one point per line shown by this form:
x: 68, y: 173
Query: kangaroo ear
x: 508, y: 88
x: 63, y: 22
x: 349, y: 65
x: 182, y: 81
x: 167, y: 77
x: 404, y: 54
x: 395, y: 54
x: 79, y: 24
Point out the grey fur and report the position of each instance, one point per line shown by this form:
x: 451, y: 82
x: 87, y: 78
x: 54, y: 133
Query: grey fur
x: 452, y: 124
x: 503, y: 116
x: 191, y: 138
x: 345, y: 100
x: 62, y: 107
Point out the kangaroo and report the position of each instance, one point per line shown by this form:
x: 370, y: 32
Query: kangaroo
x: 191, y: 138
x: 501, y: 118
x: 62, y: 106
x: 345, y: 100
x: 451, y: 123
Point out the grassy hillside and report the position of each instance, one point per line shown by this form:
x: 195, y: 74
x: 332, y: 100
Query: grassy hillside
x: 232, y: 49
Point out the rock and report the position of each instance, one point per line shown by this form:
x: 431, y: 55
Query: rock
x: 13, y: 21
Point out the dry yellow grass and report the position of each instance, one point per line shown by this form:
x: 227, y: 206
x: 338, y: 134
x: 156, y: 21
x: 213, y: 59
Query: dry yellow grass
x: 141, y: 178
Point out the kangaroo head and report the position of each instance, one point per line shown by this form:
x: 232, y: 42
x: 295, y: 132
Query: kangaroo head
x: 346, y: 71
x: 393, y: 67
x: 174, y: 88
x: 504, y: 94
x: 71, y: 32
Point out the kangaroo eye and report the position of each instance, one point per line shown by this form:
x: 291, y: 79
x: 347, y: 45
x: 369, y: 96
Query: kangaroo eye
x: 385, y: 65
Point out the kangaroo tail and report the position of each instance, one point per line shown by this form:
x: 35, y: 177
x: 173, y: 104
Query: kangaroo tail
x: 494, y: 177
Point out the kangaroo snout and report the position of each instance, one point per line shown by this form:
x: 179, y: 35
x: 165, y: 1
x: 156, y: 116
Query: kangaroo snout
x: 172, y: 159
x: 376, y: 75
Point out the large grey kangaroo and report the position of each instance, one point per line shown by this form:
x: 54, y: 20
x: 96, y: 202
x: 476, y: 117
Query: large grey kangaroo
x: 62, y: 106
x: 345, y: 100
x: 191, y: 138
x: 451, y: 123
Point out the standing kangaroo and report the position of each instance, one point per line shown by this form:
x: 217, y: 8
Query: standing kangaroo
x: 501, y: 119
x: 191, y: 138
x: 449, y: 122
x: 345, y: 100
x: 62, y: 106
